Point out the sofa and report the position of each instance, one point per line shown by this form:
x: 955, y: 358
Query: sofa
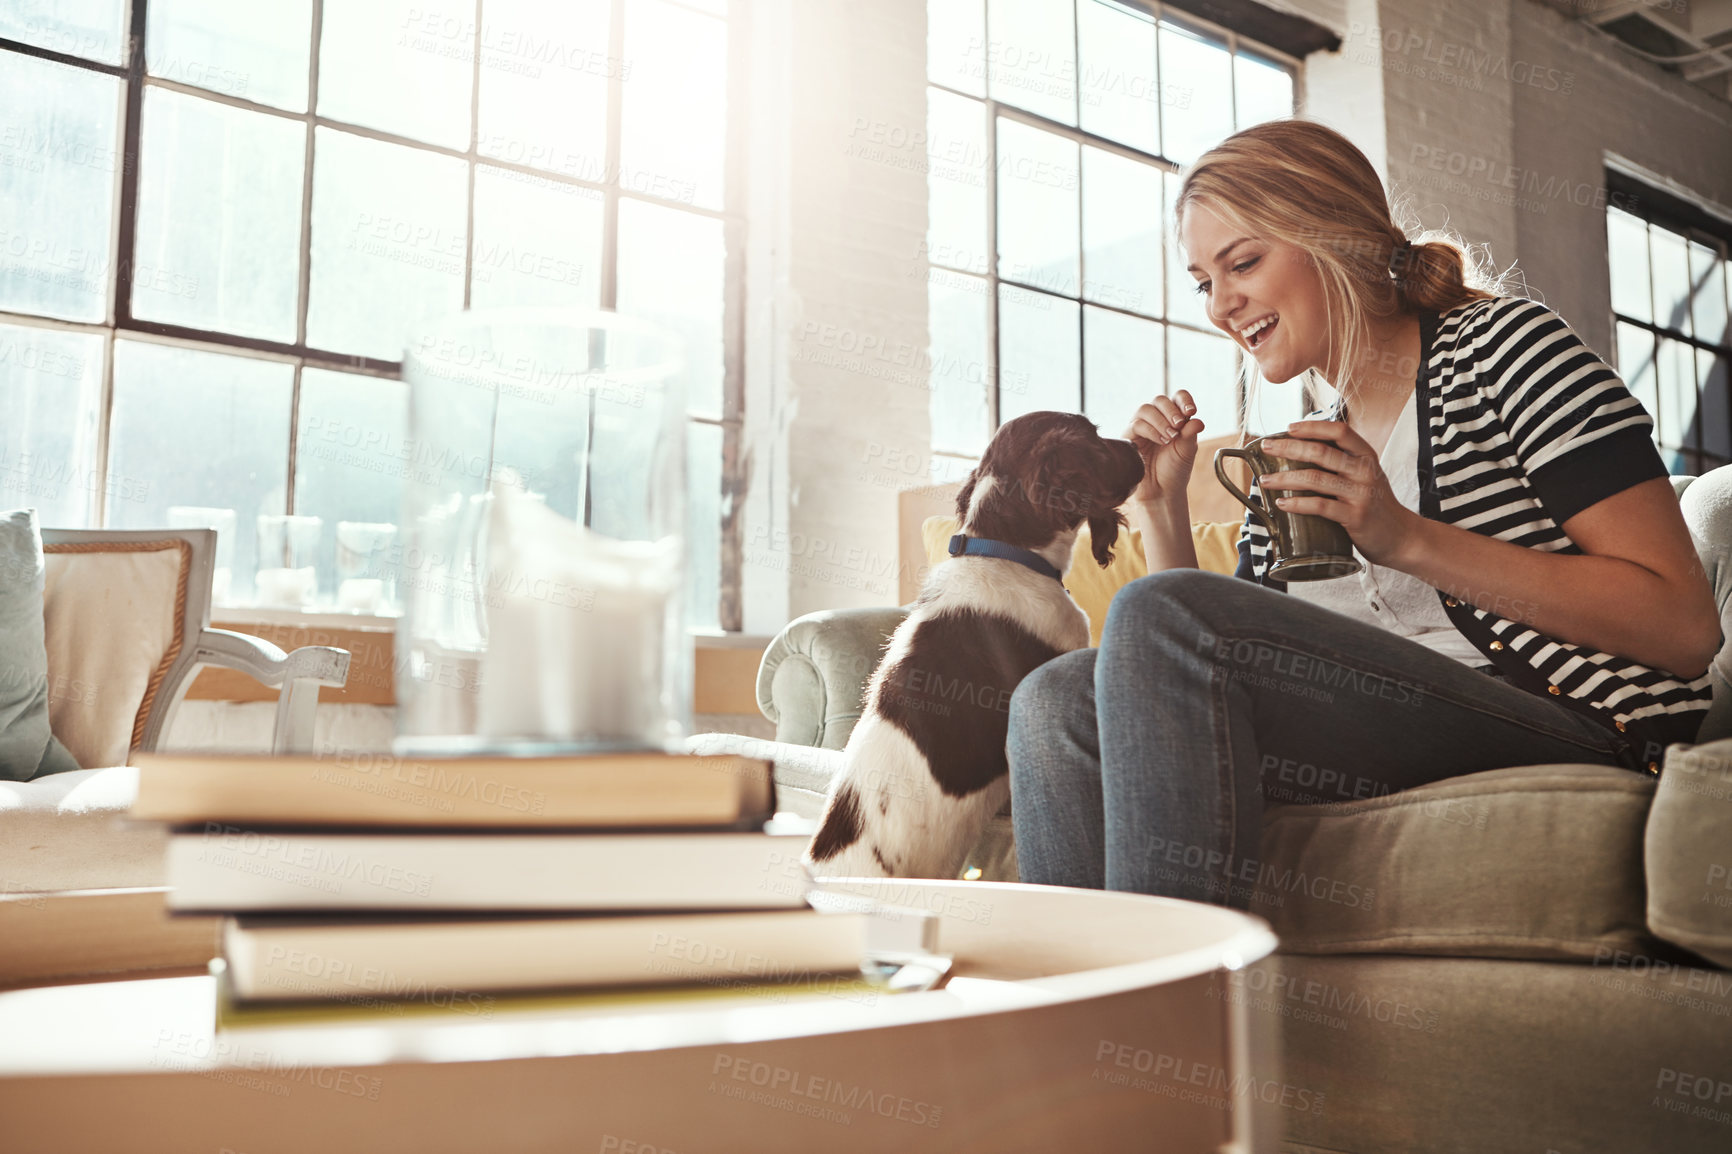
x: 1529, y: 960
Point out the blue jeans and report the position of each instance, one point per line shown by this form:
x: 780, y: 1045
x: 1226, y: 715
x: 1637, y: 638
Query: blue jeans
x: 1144, y: 765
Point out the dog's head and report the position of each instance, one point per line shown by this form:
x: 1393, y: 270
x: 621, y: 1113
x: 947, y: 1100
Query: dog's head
x: 1047, y: 473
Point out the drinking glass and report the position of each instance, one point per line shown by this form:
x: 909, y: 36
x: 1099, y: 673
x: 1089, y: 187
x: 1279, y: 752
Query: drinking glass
x: 543, y: 568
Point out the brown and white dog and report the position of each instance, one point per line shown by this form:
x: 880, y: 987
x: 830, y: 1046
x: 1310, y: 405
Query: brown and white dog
x: 925, y: 767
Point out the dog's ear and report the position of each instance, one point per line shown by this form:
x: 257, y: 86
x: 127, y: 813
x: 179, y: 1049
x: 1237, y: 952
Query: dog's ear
x: 965, y: 497
x: 1118, y: 474
x: 1104, y: 526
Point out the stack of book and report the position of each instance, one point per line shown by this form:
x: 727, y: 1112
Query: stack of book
x: 369, y: 877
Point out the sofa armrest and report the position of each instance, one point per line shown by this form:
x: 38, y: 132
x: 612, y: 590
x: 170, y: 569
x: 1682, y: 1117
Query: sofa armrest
x: 814, y: 674
x: 299, y: 673
x: 1689, y: 871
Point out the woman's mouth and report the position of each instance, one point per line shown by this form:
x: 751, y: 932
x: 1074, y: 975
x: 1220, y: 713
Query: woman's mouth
x: 1259, y: 333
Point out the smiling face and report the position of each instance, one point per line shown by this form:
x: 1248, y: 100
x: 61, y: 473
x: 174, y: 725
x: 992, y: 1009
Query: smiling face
x: 1265, y: 294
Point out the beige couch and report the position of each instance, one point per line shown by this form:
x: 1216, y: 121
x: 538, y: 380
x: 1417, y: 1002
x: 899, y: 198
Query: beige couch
x: 1526, y: 960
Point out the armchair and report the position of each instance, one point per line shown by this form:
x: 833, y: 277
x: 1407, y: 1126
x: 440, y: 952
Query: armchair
x: 126, y: 619
x: 127, y: 625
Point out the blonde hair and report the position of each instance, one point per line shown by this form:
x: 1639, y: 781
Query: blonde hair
x: 1306, y: 185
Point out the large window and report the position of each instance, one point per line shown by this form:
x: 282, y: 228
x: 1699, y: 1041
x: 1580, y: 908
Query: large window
x: 219, y: 220
x: 1055, y: 130
x: 1669, y: 301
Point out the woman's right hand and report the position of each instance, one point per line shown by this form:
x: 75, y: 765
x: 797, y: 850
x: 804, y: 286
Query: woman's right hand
x: 1164, y: 432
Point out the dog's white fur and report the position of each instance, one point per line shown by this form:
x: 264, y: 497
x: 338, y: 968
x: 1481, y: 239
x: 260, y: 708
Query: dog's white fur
x: 926, y: 833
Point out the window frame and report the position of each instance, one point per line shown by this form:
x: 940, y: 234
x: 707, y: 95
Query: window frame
x: 994, y: 109
x: 1656, y: 209
x: 120, y: 322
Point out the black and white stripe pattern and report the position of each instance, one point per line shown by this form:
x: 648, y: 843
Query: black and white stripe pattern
x: 1523, y: 427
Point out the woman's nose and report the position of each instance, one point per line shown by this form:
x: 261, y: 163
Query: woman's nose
x: 1223, y: 303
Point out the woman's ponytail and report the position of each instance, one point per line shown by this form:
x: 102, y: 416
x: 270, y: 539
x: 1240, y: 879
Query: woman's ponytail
x: 1432, y: 274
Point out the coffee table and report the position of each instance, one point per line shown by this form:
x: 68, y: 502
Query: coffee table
x: 1075, y: 1020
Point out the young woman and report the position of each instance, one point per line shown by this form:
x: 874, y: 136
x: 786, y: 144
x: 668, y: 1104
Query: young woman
x: 1530, y: 593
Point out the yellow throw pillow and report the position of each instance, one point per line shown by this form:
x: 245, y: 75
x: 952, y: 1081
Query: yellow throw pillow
x: 1093, y: 588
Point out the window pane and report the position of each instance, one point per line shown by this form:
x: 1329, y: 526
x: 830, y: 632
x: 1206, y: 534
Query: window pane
x: 219, y: 217
x: 197, y: 428
x: 1636, y: 367
x: 961, y: 369
x: 1205, y: 365
x: 1671, y: 279
x: 1708, y: 294
x: 956, y: 44
x: 1184, y: 302
x: 352, y: 452
x: 1677, y: 381
x: 1039, y: 358
x: 671, y: 272
x: 92, y: 29
x: 1037, y: 208
x: 257, y: 51
x: 1262, y: 90
x: 537, y: 242
x: 1121, y: 219
x: 673, y: 126
x: 544, y: 78
x: 388, y: 243
x: 944, y: 470
x: 398, y: 67
x: 1123, y: 367
x: 59, y: 135
x: 1032, y: 56
x: 1627, y: 254
x: 1121, y: 98
x: 50, y: 391
x: 956, y: 181
x: 1716, y: 411
x: 1196, y: 76
x: 704, y: 516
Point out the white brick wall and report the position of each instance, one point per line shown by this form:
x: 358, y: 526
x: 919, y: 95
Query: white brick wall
x: 836, y: 251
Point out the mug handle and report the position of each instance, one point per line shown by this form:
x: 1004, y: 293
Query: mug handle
x: 1221, y: 476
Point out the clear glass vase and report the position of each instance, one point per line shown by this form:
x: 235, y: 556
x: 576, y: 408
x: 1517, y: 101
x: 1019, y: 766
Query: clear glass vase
x: 543, y: 564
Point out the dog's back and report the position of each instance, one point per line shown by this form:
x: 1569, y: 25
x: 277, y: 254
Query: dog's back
x: 925, y: 767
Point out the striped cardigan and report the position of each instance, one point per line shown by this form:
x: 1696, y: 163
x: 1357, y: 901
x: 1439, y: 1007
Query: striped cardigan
x: 1521, y: 428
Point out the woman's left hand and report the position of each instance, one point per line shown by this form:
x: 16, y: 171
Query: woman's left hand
x: 1355, y: 491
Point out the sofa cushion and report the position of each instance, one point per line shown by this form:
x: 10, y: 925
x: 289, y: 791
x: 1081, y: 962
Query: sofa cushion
x: 1535, y: 862
x: 1470, y: 1056
x: 1217, y: 544
x: 1689, y: 851
x: 27, y: 747
x: 68, y: 832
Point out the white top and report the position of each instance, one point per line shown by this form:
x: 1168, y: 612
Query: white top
x: 1388, y: 598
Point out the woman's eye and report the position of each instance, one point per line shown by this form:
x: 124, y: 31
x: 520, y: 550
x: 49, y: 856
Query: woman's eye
x: 1203, y: 288
x: 1245, y: 266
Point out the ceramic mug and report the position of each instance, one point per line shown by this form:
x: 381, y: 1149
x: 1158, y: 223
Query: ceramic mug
x: 1307, y: 547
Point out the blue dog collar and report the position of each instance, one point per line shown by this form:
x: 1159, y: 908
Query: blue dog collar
x: 962, y: 544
